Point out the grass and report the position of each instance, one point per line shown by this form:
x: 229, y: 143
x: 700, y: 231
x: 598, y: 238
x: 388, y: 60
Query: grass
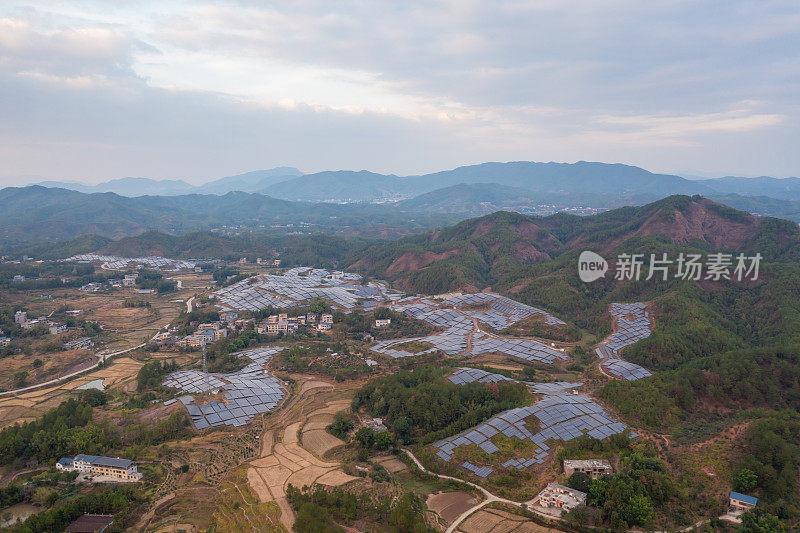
x: 413, y: 346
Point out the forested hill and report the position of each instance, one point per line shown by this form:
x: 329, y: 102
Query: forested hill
x: 34, y: 215
x: 483, y: 251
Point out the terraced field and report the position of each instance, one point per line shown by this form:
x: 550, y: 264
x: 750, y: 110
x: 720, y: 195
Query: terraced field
x: 293, y: 445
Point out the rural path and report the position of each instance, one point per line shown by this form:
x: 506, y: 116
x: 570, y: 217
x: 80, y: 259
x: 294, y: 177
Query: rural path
x: 189, y: 304
x: 71, y: 375
x: 491, y: 498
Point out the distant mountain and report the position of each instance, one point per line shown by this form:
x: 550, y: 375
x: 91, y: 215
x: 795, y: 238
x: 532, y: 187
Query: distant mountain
x: 780, y: 188
x: 133, y: 187
x: 126, y: 186
x: 35, y: 214
x: 621, y: 181
x: 254, y: 181
x: 580, y: 177
x: 762, y: 205
x: 582, y: 183
x: 338, y: 186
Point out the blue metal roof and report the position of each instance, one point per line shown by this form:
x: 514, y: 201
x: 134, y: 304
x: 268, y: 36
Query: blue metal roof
x: 744, y: 498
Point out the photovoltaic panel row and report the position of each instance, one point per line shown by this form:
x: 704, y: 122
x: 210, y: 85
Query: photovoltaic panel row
x: 247, y: 393
x: 632, y: 325
x: 561, y: 416
x: 120, y: 263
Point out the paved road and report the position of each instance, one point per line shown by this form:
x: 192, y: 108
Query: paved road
x: 190, y: 304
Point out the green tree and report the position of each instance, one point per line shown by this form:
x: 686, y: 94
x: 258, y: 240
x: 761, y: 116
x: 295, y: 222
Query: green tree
x: 760, y: 521
x: 745, y: 480
x: 577, y: 516
x: 365, y: 437
x: 579, y: 481
x: 402, y: 428
x: 408, y: 515
x: 341, y: 425
x: 318, y: 305
x: 383, y: 440
x: 639, y: 510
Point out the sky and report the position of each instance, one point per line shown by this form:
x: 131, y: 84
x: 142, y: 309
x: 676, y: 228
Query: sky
x: 91, y: 90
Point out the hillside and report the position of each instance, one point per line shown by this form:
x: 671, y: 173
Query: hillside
x: 482, y: 251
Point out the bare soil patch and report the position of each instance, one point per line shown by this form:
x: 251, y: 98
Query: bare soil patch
x: 450, y: 505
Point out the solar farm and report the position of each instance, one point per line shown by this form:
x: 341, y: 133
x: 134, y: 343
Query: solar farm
x: 561, y: 415
x: 111, y: 262
x: 298, y: 286
x: 461, y: 332
x: 248, y: 392
x: 503, y: 311
x: 632, y: 325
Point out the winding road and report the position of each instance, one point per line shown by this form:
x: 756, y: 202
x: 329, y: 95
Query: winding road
x: 491, y: 498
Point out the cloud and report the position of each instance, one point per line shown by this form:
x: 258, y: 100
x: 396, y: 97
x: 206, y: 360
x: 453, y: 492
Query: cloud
x: 102, y: 89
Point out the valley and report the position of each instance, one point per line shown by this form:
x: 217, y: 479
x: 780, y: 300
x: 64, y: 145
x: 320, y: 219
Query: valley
x: 445, y: 376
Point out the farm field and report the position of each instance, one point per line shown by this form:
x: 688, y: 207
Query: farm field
x: 489, y: 520
x: 291, y: 444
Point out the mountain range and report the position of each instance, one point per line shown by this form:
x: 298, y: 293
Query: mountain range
x: 475, y: 190
x: 589, y: 178
x: 247, y: 182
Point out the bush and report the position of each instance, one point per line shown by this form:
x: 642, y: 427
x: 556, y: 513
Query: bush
x: 341, y: 426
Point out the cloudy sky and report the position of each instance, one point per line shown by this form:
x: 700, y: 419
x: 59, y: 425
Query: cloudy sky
x: 94, y: 90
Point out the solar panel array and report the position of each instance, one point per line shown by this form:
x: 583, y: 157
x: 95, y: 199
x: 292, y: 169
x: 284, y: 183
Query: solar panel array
x: 506, y: 310
x: 452, y: 342
x: 633, y: 325
x: 561, y: 416
x: 527, y: 349
x: 472, y: 375
x: 248, y: 392
x: 459, y: 322
x: 297, y: 286
x: 119, y: 263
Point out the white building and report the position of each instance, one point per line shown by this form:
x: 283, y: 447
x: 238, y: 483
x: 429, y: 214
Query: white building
x: 559, y: 497
x: 383, y: 322
x: 119, y: 469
